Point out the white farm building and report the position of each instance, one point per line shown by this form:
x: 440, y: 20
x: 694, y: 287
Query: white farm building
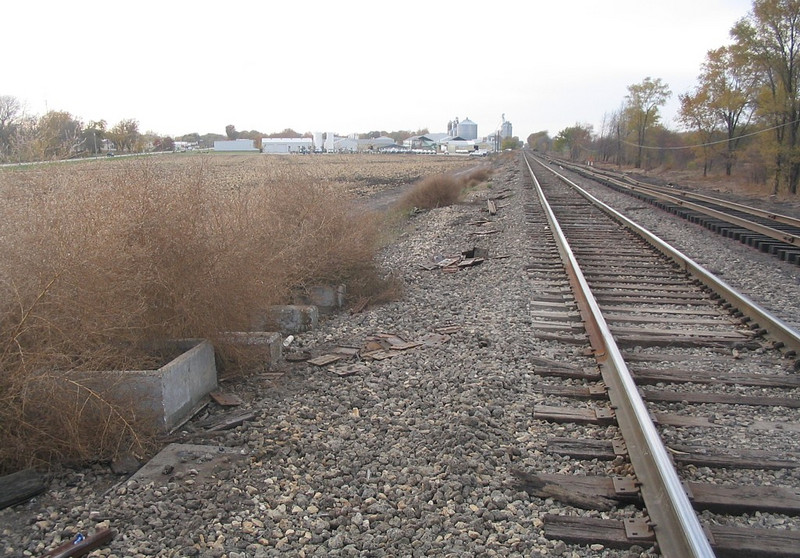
x: 235, y: 145
x: 287, y: 145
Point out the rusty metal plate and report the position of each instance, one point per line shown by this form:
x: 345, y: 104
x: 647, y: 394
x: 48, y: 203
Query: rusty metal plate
x: 605, y: 413
x: 638, y: 529
x: 599, y: 389
x: 620, y: 447
x: 625, y: 486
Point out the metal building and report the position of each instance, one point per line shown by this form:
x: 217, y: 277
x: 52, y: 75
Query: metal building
x: 467, y: 129
x: 330, y: 140
x: 287, y: 145
x: 235, y: 145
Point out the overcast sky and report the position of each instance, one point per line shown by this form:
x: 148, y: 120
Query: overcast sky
x: 353, y: 66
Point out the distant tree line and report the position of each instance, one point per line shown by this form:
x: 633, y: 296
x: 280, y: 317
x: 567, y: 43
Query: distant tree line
x: 59, y: 135
x: 743, y: 113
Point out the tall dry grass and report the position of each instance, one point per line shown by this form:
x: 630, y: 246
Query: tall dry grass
x: 102, y: 265
x: 434, y: 191
x: 441, y: 190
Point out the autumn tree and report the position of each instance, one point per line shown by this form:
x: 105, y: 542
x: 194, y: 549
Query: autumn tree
x: 10, y: 114
x: 510, y: 143
x: 729, y: 83
x: 540, y: 141
x: 125, y: 134
x: 697, y: 114
x: 643, y: 101
x: 285, y: 133
x: 58, y: 135
x: 770, y: 37
x: 574, y: 140
x: 92, y: 136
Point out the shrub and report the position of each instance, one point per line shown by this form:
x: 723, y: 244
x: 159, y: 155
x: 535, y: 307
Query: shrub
x: 433, y: 191
x: 104, y: 264
x: 478, y: 176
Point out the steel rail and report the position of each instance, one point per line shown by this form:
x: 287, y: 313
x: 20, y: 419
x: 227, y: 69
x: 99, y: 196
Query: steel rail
x: 677, y: 198
x: 676, y: 526
x: 776, y: 328
x: 771, y: 215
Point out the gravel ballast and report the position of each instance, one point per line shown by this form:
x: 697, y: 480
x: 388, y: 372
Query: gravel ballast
x: 410, y: 456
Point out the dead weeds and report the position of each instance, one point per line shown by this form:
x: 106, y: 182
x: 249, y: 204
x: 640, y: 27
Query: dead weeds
x: 106, y: 261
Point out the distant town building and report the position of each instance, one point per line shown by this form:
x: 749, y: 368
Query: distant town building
x: 505, y: 130
x: 467, y: 129
x: 235, y: 145
x: 287, y: 145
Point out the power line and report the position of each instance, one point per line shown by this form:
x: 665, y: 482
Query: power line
x: 712, y: 142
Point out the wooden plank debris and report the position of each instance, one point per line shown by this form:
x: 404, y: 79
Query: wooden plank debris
x: 20, y: 487
x: 231, y: 420
x: 381, y: 354
x: 447, y: 262
x: 324, y: 360
x: 470, y: 262
x: 225, y: 399
x: 448, y: 330
x: 296, y: 356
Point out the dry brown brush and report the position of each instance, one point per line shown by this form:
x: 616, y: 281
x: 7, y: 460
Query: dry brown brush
x: 478, y: 176
x: 434, y: 191
x: 103, y: 264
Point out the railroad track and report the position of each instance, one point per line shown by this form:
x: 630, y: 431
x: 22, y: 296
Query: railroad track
x: 699, y: 380
x: 766, y: 231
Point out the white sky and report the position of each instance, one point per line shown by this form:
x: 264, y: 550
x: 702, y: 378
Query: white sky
x: 353, y: 66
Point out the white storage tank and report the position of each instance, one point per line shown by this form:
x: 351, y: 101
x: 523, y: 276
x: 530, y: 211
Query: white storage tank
x: 330, y: 139
x: 467, y: 129
x: 505, y: 130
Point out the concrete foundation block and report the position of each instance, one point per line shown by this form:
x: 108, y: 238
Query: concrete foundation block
x: 165, y: 396
x: 267, y: 346
x: 289, y: 318
x: 326, y: 298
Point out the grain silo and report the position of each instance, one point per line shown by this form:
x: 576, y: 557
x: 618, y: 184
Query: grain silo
x: 467, y: 129
x: 505, y: 129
